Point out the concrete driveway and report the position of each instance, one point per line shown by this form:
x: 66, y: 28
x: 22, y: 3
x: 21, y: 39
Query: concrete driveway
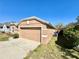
x: 16, y: 48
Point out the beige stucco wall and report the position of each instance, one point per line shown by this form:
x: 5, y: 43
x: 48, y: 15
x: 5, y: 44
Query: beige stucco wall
x: 46, y: 33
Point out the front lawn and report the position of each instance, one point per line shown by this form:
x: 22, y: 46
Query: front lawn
x: 49, y: 51
x: 52, y: 51
x: 4, y: 37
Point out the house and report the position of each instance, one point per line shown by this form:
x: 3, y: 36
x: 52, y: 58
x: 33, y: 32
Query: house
x: 4, y: 27
x: 8, y: 27
x: 13, y: 28
x: 34, y: 28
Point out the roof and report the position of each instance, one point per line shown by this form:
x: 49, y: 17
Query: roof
x: 38, y: 19
x: 7, y: 24
x: 4, y: 24
x: 13, y: 24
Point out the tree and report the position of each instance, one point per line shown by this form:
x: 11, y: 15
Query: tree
x: 70, y: 25
x: 59, y: 26
x: 68, y: 37
x: 77, y: 20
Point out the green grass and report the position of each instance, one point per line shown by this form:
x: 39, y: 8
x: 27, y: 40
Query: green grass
x: 49, y: 51
x: 52, y: 51
x: 4, y: 37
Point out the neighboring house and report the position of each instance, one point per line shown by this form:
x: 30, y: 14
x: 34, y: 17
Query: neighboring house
x: 8, y: 28
x: 4, y: 28
x: 13, y: 28
x: 34, y: 28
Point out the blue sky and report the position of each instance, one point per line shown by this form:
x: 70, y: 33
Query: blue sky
x: 54, y: 11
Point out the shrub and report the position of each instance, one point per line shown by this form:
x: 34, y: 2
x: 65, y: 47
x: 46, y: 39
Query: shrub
x: 68, y: 37
x: 15, y: 35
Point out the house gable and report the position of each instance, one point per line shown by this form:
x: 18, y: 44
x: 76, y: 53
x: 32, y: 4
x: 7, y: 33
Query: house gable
x: 32, y: 23
x: 35, y: 21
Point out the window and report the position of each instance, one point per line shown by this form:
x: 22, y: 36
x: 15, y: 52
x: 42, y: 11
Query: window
x: 44, y: 35
x: 12, y: 29
x: 27, y: 22
x: 1, y: 27
x: 8, y: 27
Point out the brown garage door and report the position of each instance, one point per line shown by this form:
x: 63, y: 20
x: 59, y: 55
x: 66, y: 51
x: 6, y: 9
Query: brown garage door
x: 31, y: 33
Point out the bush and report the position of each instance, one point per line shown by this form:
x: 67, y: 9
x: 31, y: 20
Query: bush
x: 68, y: 37
x: 15, y: 35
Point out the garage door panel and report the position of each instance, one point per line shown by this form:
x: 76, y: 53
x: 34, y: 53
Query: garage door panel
x: 32, y: 34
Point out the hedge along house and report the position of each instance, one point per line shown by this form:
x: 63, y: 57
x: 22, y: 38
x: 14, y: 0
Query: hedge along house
x: 34, y: 28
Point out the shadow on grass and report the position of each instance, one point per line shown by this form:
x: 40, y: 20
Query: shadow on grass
x: 68, y: 52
